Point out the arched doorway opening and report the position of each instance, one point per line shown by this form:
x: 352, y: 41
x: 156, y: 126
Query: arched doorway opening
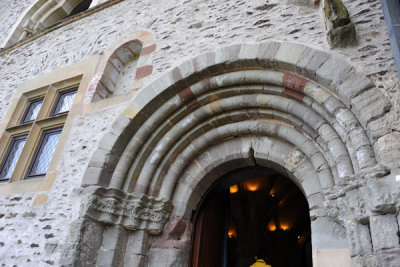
x: 248, y: 211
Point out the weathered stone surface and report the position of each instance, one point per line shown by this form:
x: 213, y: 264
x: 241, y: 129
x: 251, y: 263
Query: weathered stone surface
x: 168, y: 257
x: 388, y: 258
x: 384, y: 231
x: 387, y: 150
x: 373, y: 99
x: 328, y: 234
x: 214, y: 24
x: 340, y: 30
x: 133, y: 212
x: 359, y: 238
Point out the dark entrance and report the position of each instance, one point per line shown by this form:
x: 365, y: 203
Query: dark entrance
x: 250, y: 210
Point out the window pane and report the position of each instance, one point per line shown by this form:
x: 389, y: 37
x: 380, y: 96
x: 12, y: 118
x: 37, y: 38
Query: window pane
x: 12, y: 157
x: 32, y: 110
x: 45, y: 152
x: 64, y: 101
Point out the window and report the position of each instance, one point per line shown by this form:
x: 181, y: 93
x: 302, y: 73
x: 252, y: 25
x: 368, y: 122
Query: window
x: 11, y: 157
x: 44, y: 153
x: 32, y: 135
x: 32, y: 110
x: 64, y: 102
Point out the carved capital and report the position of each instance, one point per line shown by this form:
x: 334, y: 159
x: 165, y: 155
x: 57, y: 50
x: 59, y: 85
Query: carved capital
x: 131, y: 211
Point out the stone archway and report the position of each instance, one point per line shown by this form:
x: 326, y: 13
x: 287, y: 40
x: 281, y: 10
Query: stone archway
x: 41, y: 15
x: 297, y: 110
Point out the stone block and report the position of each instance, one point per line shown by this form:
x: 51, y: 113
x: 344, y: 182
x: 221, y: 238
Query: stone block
x: 120, y: 124
x: 380, y: 197
x: 288, y: 54
x: 168, y: 257
x: 384, y: 232
x: 347, y: 120
x: 388, y: 258
x: 134, y: 260
x: 327, y: 234
x: 315, y: 201
x: 365, y: 156
x: 354, y: 85
x: 331, y: 258
x: 96, y: 176
x: 186, y: 69
x: 137, y: 241
x: 266, y: 52
x: 365, y: 261
x: 340, y: 30
x: 108, y: 257
x: 359, y: 239
x: 310, y: 61
x: 331, y: 73
x: 387, y: 149
x: 249, y: 51
x: 228, y: 55
x: 311, y: 185
x: 343, y: 36
x: 370, y: 105
x: 114, y: 238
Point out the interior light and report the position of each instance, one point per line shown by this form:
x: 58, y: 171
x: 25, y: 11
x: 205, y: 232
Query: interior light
x: 231, y: 233
x: 234, y: 189
x: 284, y: 227
x: 252, y: 185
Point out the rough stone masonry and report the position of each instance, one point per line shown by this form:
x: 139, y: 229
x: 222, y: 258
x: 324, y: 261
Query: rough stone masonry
x: 132, y: 167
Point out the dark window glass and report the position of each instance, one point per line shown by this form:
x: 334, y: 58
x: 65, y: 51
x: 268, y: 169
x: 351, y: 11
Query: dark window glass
x: 82, y: 6
x: 12, y: 156
x: 64, y: 102
x: 44, y: 153
x: 32, y: 110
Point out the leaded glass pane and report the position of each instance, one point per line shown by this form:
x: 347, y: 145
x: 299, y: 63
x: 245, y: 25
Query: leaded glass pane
x: 64, y: 102
x: 45, y: 153
x: 32, y: 110
x: 12, y: 157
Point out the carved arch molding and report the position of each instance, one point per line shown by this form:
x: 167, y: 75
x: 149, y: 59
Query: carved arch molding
x: 300, y: 111
x: 40, y: 16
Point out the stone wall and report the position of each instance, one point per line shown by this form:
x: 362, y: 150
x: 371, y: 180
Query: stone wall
x: 33, y: 234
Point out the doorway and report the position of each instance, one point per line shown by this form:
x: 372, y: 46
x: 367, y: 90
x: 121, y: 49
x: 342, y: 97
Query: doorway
x: 249, y: 211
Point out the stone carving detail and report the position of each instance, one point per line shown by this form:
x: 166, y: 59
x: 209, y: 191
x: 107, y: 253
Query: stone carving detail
x: 131, y: 211
x: 340, y: 30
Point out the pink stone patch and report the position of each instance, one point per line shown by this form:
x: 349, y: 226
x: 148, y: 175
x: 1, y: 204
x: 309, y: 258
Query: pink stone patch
x: 294, y: 82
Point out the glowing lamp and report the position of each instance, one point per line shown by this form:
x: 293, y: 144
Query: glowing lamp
x: 234, y: 189
x: 271, y: 226
x: 252, y: 185
x: 231, y: 233
x: 284, y: 227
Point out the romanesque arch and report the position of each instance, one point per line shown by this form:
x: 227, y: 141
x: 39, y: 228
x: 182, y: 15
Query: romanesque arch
x: 41, y: 15
x: 284, y: 106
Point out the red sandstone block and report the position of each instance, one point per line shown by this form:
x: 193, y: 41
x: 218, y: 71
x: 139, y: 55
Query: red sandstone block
x: 148, y: 50
x: 294, y: 82
x: 293, y: 94
x: 143, y: 71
